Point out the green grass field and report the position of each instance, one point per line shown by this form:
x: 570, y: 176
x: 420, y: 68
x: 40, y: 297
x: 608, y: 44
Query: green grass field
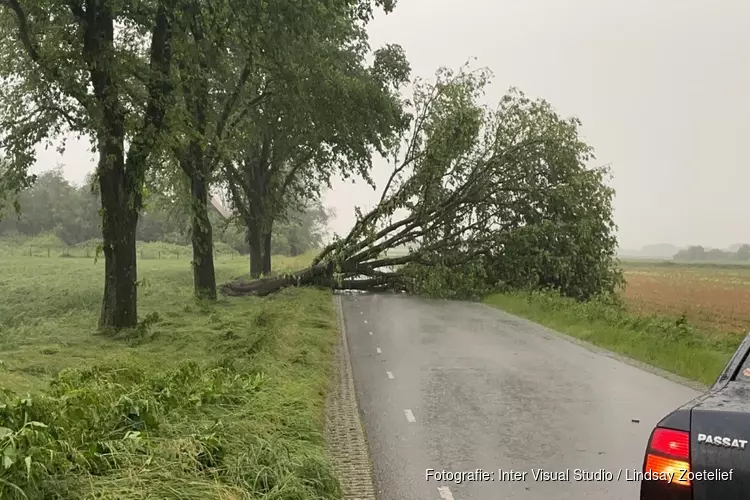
x: 201, y: 401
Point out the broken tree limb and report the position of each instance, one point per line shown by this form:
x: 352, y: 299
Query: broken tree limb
x: 472, y: 181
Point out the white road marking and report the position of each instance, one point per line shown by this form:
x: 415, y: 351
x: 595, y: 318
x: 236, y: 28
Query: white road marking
x: 365, y: 322
x: 445, y: 493
x: 390, y: 375
x: 370, y: 333
x: 379, y: 351
x: 409, y: 416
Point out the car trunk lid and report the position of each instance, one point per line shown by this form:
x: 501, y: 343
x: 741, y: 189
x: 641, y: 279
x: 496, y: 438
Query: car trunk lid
x: 720, y: 443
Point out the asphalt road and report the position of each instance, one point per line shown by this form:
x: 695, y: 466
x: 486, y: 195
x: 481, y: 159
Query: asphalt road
x: 455, y: 386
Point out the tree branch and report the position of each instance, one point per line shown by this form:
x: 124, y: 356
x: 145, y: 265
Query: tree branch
x: 160, y: 89
x: 50, y: 71
x: 76, y: 9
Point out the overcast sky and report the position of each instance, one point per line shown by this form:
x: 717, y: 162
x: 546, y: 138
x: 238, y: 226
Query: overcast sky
x: 662, y: 88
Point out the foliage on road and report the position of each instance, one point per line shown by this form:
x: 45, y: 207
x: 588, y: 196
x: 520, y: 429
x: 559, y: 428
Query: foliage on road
x: 487, y: 196
x: 204, y: 401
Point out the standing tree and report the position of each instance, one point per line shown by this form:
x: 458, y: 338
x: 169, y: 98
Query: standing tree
x: 327, y: 113
x: 466, y: 180
x: 69, y: 65
x: 217, y: 54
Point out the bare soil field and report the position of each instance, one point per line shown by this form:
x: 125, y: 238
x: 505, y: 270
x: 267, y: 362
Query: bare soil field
x: 714, y: 296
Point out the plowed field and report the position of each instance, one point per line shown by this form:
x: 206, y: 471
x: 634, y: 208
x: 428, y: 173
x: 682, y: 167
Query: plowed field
x: 713, y: 296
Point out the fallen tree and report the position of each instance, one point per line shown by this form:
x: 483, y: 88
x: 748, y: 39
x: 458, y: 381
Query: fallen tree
x: 472, y: 186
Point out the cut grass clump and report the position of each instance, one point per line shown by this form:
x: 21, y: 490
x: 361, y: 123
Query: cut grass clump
x: 100, y: 426
x: 204, y: 401
x: 672, y: 344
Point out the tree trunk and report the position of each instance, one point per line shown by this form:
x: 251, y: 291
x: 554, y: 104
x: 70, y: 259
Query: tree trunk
x: 204, y: 275
x: 255, y: 243
x: 119, y: 221
x: 120, y: 183
x: 267, y: 253
x: 317, y: 275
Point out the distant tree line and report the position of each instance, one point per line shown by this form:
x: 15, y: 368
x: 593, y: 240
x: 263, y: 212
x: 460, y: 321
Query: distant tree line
x: 697, y: 253
x: 55, y: 206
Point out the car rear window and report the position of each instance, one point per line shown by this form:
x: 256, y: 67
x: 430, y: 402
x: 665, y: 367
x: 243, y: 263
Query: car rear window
x: 743, y: 374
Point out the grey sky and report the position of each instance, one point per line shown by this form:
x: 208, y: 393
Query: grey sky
x: 661, y: 88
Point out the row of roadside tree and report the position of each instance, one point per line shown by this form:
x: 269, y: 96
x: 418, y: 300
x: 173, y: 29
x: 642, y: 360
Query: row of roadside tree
x: 264, y: 100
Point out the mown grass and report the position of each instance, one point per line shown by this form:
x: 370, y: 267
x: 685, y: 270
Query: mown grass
x: 221, y: 401
x: 669, y: 343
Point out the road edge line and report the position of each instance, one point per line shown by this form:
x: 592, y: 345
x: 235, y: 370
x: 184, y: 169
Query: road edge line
x: 345, y: 431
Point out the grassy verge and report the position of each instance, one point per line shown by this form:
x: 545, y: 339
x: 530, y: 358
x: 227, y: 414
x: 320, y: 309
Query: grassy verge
x: 667, y: 343
x: 222, y: 401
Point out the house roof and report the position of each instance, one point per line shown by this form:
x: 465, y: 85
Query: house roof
x: 223, y: 211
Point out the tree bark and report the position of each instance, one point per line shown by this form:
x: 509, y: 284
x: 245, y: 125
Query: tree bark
x: 116, y: 182
x: 269, y: 285
x: 255, y: 242
x: 267, y: 252
x: 204, y: 275
x: 119, y: 221
x: 318, y: 275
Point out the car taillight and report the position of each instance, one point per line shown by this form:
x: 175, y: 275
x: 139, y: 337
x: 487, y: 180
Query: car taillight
x: 668, y: 454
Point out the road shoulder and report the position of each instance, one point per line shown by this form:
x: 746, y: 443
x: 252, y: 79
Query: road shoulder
x: 345, y: 434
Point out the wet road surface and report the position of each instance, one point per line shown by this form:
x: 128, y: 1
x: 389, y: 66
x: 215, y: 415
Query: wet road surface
x: 457, y: 387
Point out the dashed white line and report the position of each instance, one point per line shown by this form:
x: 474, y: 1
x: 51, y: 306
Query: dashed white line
x: 370, y: 333
x: 379, y: 351
x: 409, y: 416
x: 445, y: 493
x: 365, y: 322
x: 390, y: 375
